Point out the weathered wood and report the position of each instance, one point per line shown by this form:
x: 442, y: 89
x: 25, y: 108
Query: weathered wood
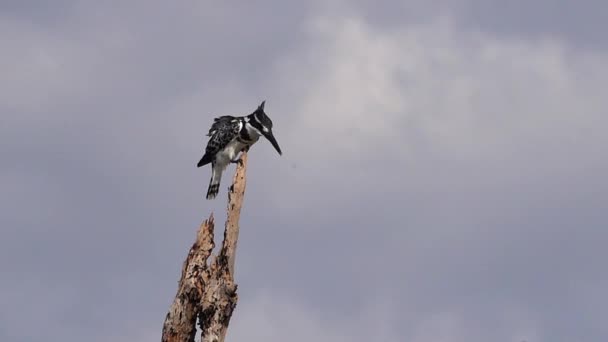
x: 180, y: 322
x: 220, y: 297
x: 207, y: 290
x: 235, y: 202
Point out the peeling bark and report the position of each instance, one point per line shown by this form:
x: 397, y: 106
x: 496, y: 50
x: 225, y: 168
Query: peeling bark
x: 180, y: 322
x: 207, y: 290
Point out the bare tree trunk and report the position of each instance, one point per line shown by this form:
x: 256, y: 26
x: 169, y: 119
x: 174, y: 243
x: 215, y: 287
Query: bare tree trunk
x: 180, y: 322
x: 206, y: 289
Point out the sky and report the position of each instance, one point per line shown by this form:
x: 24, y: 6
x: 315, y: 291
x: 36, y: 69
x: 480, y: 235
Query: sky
x: 443, y: 176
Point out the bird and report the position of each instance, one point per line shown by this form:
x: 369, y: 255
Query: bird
x: 229, y: 136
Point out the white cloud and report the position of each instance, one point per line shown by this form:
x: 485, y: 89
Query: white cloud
x: 460, y: 89
x: 369, y: 100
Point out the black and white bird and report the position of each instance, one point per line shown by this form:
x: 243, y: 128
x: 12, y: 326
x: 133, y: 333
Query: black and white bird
x: 229, y: 136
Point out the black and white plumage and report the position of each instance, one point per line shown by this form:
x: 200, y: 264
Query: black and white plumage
x: 229, y: 136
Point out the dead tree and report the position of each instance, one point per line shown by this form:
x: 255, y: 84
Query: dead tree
x: 206, y: 288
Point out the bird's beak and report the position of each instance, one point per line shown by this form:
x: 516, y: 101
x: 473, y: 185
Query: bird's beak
x: 273, y: 141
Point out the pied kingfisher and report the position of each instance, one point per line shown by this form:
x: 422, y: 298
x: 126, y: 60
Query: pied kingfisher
x: 229, y: 136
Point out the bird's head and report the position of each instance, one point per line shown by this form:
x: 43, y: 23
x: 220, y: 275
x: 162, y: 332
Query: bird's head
x: 262, y: 123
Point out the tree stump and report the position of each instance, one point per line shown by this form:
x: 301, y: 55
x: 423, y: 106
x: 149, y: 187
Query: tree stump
x: 206, y: 289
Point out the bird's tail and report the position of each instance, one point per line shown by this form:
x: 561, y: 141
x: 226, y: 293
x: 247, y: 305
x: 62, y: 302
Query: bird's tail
x: 207, y: 158
x: 214, y: 183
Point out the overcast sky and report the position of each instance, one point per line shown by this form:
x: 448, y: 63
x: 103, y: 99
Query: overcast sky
x: 443, y: 176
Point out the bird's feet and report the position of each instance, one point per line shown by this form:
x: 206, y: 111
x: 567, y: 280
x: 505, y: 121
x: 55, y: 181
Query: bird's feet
x: 237, y: 161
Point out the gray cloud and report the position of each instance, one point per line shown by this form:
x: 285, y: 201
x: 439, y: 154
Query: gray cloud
x: 463, y: 184
x: 580, y: 24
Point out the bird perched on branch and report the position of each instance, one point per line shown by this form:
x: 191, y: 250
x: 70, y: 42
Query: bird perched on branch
x: 231, y: 135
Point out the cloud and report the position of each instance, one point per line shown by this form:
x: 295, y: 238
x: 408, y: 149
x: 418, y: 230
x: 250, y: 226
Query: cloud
x: 427, y: 97
x: 454, y: 172
x: 462, y: 162
x: 276, y: 317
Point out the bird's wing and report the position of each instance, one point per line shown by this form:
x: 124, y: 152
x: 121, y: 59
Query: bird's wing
x: 223, y: 130
x: 217, y: 122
